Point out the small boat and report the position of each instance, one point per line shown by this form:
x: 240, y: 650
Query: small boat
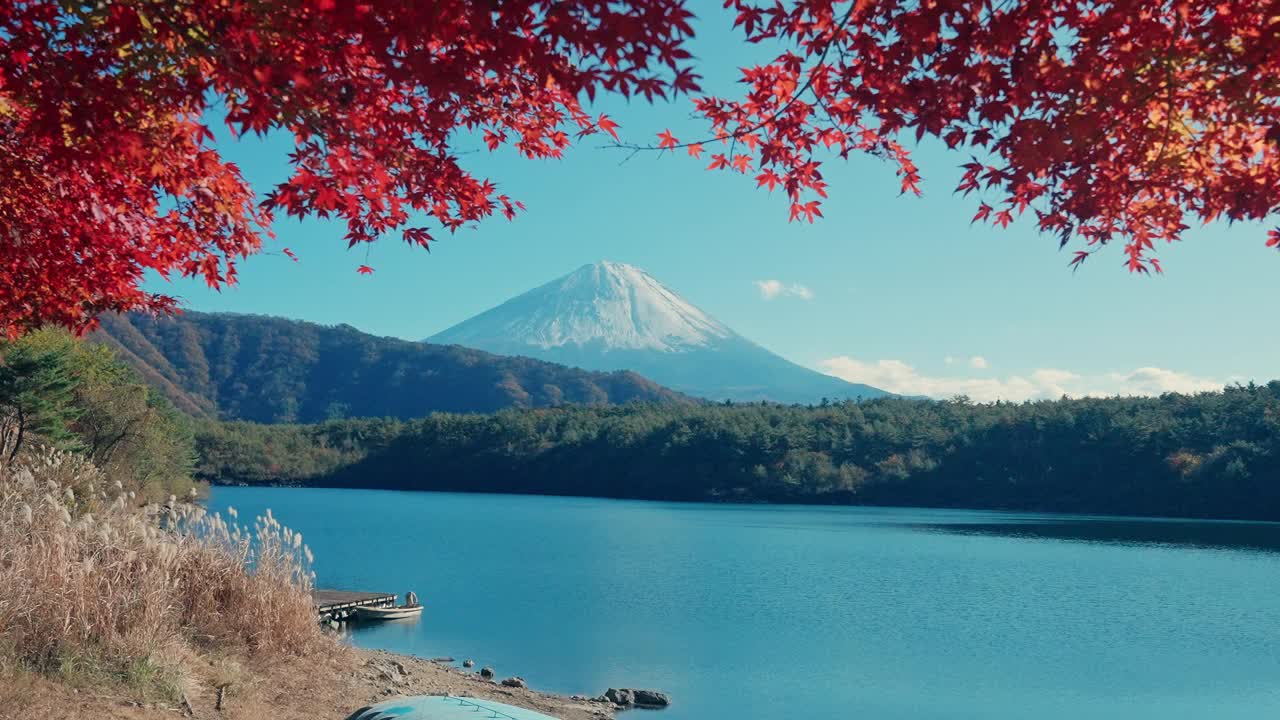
x: 388, y: 613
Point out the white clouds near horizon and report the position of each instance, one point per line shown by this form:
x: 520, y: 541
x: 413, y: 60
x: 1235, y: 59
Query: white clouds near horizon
x: 1043, y: 383
x: 770, y: 289
x: 976, y: 362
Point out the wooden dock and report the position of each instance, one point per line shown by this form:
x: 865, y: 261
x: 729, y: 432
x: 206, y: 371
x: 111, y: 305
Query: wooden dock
x: 342, y: 604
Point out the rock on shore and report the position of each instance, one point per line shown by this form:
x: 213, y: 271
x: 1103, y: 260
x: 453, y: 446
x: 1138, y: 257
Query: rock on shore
x: 651, y: 698
x: 620, y: 696
x: 627, y: 697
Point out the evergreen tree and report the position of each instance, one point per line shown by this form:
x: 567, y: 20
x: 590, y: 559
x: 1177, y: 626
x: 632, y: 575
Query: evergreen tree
x: 37, y: 394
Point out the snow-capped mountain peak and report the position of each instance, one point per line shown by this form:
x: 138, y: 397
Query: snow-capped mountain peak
x: 606, y: 305
x: 613, y: 316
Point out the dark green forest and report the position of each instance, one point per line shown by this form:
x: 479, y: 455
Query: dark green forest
x: 268, y: 369
x: 1207, y: 455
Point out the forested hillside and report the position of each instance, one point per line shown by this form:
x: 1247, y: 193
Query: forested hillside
x: 268, y: 369
x: 1208, y: 455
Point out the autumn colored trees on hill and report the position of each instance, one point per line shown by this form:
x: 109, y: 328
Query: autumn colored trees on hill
x: 1106, y: 122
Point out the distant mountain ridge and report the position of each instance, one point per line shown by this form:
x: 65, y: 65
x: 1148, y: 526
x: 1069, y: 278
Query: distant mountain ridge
x: 613, y: 316
x: 268, y: 369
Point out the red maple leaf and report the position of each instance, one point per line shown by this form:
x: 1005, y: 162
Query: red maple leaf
x: 768, y: 177
x: 809, y: 210
x: 364, y: 270
x: 606, y: 124
x: 289, y: 252
x: 666, y: 140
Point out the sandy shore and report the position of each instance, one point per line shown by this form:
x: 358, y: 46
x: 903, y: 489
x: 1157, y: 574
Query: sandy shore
x: 423, y: 677
x: 323, y: 686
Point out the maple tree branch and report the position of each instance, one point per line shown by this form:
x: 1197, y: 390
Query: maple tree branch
x: 1168, y: 68
x: 624, y: 160
x: 1168, y: 125
x: 994, y: 10
x: 808, y: 85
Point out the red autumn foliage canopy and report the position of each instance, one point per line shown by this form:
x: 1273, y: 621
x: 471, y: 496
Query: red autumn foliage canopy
x: 1110, y: 121
x: 106, y: 169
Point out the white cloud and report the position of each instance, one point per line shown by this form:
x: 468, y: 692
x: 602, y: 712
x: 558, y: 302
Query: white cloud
x: 1044, y: 383
x: 770, y: 289
x: 1049, y: 376
x: 977, y: 361
x: 1154, y: 380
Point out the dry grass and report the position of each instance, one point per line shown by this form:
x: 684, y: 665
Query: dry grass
x: 98, y: 591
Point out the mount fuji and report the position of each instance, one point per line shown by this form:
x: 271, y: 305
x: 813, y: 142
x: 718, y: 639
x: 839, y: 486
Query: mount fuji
x: 613, y: 316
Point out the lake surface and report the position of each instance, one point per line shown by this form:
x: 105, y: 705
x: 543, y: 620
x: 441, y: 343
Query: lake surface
x: 786, y: 612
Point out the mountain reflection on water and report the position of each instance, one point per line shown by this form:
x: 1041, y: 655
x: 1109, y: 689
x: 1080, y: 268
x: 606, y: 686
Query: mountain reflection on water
x: 1258, y: 536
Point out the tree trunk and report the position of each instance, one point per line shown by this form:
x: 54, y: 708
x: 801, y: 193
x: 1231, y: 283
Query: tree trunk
x: 17, y: 443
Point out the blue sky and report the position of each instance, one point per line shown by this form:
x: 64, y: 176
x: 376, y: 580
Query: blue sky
x: 901, y: 291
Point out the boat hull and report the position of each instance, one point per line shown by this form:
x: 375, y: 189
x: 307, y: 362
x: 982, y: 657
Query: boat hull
x: 388, y: 613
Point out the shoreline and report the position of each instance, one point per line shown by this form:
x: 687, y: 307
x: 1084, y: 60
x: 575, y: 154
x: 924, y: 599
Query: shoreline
x: 728, y: 502
x: 401, y: 675
x: 330, y: 683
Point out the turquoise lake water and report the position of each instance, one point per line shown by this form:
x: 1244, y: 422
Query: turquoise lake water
x: 786, y: 612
